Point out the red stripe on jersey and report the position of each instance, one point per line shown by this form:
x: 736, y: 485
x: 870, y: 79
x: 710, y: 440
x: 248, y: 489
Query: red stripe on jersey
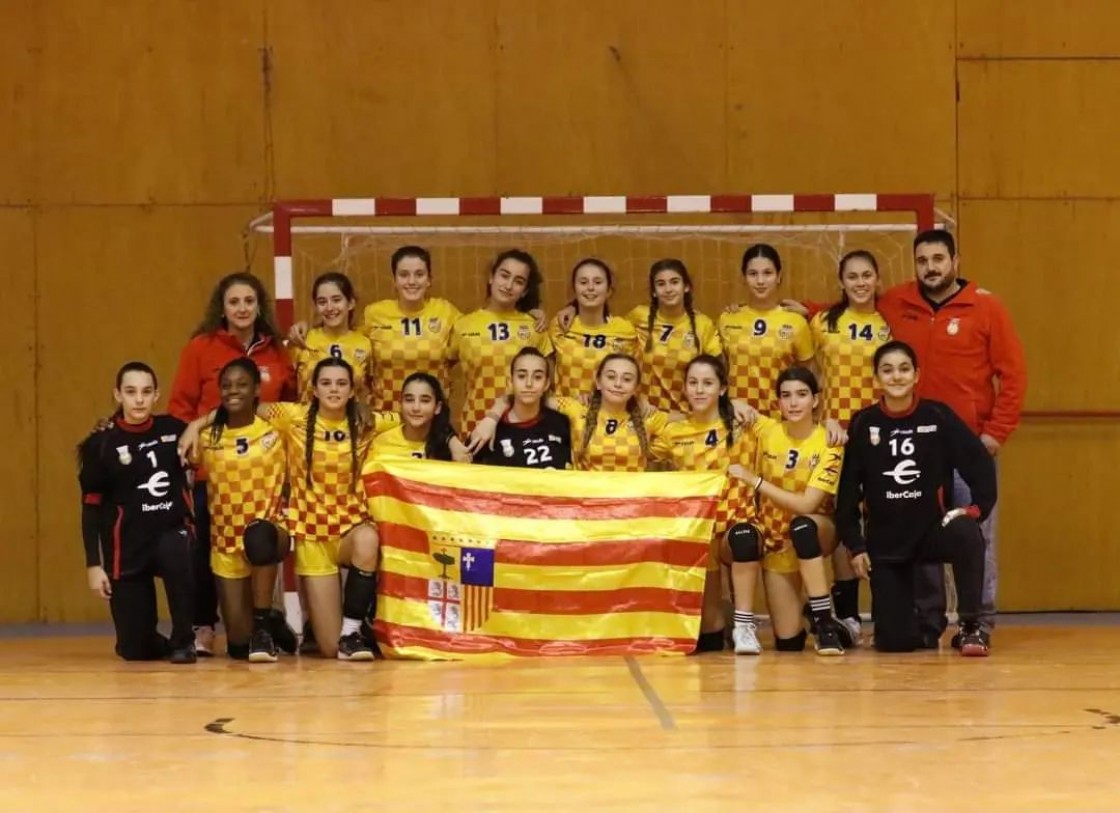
x: 134, y: 427
x: 91, y: 499
x: 117, y: 543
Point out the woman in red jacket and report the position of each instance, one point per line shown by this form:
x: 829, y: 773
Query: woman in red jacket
x: 238, y: 323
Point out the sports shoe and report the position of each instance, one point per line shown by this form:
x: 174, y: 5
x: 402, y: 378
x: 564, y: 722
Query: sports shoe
x: 745, y: 638
x: 975, y: 643
x: 262, y: 647
x: 352, y: 648
x: 308, y: 645
x: 956, y: 641
x: 185, y: 654
x: 851, y: 632
x: 204, y: 641
x: 282, y: 633
x: 827, y: 639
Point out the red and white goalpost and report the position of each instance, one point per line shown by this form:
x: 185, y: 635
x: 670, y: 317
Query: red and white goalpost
x: 708, y: 232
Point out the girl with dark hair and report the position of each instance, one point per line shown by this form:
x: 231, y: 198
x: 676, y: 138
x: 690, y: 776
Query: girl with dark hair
x: 846, y: 337
x: 238, y: 323
x: 670, y: 333
x: 244, y: 458
x: 794, y: 479
x: 485, y: 341
x: 761, y: 339
x: 891, y: 508
x: 334, y: 337
x: 592, y: 334
x: 327, y: 442
x: 529, y: 434
x: 709, y: 439
x: 136, y: 521
x: 425, y: 431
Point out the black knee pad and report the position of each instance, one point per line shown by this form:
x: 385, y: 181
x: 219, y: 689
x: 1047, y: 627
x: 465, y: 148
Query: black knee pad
x: 745, y: 543
x: 262, y: 544
x: 806, y: 542
x: 794, y: 644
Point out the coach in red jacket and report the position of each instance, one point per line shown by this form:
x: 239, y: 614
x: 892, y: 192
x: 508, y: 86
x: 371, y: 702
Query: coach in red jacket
x: 971, y: 359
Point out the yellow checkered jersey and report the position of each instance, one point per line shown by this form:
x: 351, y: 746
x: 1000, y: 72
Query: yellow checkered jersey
x: 406, y: 343
x: 845, y: 359
x: 759, y: 346
x: 580, y: 348
x: 691, y: 445
x: 246, y: 468
x: 794, y: 465
x: 614, y: 444
x: 393, y: 445
x: 352, y: 347
x: 484, y: 343
x: 674, y: 345
x: 334, y: 501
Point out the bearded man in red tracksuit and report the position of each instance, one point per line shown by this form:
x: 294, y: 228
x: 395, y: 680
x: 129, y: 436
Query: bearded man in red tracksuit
x: 971, y: 359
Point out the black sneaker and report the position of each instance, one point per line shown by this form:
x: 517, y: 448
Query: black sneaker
x: 282, y: 633
x: 184, y: 655
x: 262, y: 647
x: 352, y: 648
x: 827, y: 639
x: 974, y: 642
x: 308, y: 645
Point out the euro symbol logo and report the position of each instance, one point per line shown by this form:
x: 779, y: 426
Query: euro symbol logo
x: 905, y: 473
x: 158, y: 484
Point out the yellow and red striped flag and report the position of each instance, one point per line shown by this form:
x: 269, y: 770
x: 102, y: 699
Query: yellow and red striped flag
x: 486, y: 561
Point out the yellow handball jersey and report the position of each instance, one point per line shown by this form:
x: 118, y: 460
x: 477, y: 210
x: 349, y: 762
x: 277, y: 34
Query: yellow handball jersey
x: 393, y: 445
x: 246, y: 468
x: 334, y: 501
x: 691, y: 445
x: 759, y: 346
x: 580, y: 348
x: 484, y: 344
x: 614, y: 444
x: 406, y: 343
x: 352, y: 347
x: 794, y: 465
x: 674, y: 345
x: 844, y: 357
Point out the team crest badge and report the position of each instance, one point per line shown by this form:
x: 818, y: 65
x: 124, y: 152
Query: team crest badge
x: 873, y: 435
x: 269, y: 440
x: 434, y: 325
x: 884, y: 334
x: 954, y: 327
x: 123, y: 455
x: 507, y: 447
x: 785, y: 332
x: 266, y: 376
x: 689, y: 340
x: 523, y: 333
x: 814, y: 460
x: 360, y: 355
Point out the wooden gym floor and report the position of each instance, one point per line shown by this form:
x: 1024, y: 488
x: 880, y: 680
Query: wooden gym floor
x: 1034, y: 728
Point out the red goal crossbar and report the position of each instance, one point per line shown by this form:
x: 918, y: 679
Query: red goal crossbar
x: 919, y: 207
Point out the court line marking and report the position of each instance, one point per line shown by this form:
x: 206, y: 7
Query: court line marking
x: 664, y: 716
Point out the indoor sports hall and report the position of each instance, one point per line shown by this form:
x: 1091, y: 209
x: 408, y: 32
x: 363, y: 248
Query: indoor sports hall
x: 152, y: 148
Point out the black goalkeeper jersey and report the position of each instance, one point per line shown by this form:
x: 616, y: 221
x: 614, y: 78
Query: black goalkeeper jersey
x: 545, y: 443
x: 898, y: 468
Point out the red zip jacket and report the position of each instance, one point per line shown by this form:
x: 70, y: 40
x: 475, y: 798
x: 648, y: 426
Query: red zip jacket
x: 196, y: 392
x: 961, y: 347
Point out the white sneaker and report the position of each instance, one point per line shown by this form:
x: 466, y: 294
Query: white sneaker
x: 745, y: 638
x: 204, y: 642
x: 851, y: 632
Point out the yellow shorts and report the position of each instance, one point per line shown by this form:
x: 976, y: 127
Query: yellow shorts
x: 229, y: 565
x: 781, y: 561
x: 317, y: 558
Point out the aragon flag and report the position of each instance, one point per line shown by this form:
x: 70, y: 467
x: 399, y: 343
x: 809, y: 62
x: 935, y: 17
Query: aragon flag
x: 491, y: 562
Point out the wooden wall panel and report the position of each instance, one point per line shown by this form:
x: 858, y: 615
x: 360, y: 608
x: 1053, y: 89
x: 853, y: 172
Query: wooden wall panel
x: 17, y: 100
x: 1038, y: 28
x: 1057, y: 537
x: 841, y: 96
x: 126, y: 283
x: 383, y: 98
x: 19, y: 465
x: 1054, y: 264
x: 623, y: 97
x: 146, y: 102
x: 1039, y: 129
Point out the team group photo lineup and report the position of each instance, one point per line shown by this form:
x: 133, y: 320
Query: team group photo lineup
x: 857, y: 440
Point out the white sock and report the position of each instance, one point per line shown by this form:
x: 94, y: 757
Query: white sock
x: 350, y: 625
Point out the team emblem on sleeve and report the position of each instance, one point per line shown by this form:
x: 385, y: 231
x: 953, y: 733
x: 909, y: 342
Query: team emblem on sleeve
x: 123, y: 455
x: 873, y: 435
